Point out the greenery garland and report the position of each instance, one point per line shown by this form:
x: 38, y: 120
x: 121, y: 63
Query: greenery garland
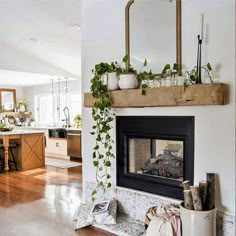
x: 103, y: 117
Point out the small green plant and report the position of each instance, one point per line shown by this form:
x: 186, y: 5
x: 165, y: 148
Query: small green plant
x: 21, y: 103
x: 104, y: 67
x: 143, y: 76
x: 103, y: 117
x: 130, y: 69
x: 2, y: 108
x: 169, y: 71
x: 193, y: 76
x: 77, y: 120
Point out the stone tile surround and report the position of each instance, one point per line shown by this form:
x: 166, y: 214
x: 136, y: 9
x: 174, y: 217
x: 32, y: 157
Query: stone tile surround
x: 134, y: 204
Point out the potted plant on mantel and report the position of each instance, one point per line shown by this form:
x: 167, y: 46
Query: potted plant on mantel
x: 170, y: 73
x: 107, y: 74
x: 128, y: 77
x: 131, y: 79
x: 193, y: 75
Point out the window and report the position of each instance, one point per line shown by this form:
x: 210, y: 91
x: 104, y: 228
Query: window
x: 73, y: 102
x: 49, y: 108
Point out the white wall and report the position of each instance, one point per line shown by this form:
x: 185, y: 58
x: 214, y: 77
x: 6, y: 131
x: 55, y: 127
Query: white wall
x: 103, y: 39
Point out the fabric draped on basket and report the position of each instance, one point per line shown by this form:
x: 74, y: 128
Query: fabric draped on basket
x: 163, y: 220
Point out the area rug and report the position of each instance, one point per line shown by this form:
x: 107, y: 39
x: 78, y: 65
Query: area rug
x: 61, y: 163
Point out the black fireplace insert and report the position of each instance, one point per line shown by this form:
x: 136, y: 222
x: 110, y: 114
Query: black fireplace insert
x: 155, y: 153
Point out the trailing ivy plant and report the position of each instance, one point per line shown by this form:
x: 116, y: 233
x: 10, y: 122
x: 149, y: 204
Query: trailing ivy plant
x: 103, y: 117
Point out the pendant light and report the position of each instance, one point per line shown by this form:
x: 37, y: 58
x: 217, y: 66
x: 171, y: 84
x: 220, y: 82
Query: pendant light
x: 66, y: 88
x: 52, y: 86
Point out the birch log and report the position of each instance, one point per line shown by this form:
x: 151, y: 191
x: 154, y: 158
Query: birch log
x: 197, y: 202
x: 186, y: 185
x: 210, y: 203
x: 203, y: 193
x: 188, y: 201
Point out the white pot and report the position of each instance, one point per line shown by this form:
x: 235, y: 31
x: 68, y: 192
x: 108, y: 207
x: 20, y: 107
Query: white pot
x: 111, y: 80
x: 198, y: 223
x: 128, y: 81
x: 22, y: 108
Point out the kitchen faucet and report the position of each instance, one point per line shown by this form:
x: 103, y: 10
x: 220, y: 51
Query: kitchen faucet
x: 67, y: 115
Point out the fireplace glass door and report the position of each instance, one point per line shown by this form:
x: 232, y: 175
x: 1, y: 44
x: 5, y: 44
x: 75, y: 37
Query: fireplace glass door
x: 156, y: 158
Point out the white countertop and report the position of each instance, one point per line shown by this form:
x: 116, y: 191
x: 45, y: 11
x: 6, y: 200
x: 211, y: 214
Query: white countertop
x: 21, y: 131
x: 44, y: 128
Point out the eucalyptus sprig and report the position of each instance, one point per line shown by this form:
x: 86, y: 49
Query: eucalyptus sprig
x: 103, y: 117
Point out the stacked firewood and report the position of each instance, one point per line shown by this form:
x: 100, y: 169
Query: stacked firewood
x: 201, y: 197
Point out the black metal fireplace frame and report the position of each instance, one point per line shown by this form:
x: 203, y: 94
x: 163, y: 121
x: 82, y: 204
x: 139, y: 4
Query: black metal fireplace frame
x: 157, y: 127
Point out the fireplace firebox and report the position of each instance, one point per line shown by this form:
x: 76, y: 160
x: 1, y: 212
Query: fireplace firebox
x: 155, y: 153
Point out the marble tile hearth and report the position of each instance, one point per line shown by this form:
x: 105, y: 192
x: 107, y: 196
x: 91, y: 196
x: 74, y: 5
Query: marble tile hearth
x: 134, y: 204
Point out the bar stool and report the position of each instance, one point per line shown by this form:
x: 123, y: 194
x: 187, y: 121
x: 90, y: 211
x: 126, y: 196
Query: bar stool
x: 11, y: 159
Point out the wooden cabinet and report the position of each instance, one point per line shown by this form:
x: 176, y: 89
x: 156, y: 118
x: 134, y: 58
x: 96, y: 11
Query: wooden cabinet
x: 56, y: 147
x: 32, y: 151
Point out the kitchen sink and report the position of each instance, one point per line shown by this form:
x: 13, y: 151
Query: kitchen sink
x: 57, y: 133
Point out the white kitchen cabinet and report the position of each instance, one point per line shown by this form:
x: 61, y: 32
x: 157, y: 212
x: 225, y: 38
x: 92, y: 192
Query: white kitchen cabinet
x: 56, y: 147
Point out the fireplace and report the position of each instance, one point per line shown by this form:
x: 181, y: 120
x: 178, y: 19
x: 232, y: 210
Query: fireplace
x: 155, y: 153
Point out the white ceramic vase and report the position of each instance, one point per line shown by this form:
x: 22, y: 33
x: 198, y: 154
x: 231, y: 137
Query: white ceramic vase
x: 111, y: 80
x: 128, y: 81
x: 22, y: 108
x: 198, y: 223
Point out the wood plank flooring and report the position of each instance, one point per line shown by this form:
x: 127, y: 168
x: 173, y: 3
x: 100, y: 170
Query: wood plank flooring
x: 42, y: 202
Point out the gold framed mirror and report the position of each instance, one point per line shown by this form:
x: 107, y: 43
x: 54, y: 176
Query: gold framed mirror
x: 153, y: 25
x: 7, y: 99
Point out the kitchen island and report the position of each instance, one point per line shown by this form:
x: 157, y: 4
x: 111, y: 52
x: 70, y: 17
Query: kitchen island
x: 30, y: 153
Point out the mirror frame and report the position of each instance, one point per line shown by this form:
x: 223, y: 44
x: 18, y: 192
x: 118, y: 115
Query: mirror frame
x: 8, y: 90
x: 178, y: 34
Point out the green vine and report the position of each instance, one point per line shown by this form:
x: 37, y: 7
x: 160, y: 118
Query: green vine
x: 103, y: 117
x: 193, y: 75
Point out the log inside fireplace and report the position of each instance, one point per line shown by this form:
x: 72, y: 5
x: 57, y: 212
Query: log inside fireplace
x: 155, y: 154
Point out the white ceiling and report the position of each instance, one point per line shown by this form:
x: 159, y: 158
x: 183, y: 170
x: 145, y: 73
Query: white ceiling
x: 58, y: 52
x: 23, y: 79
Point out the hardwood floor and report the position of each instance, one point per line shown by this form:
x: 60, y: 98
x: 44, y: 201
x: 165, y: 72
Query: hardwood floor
x: 42, y: 202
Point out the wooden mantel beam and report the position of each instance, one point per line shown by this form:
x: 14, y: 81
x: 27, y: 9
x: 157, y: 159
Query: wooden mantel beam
x: 198, y: 94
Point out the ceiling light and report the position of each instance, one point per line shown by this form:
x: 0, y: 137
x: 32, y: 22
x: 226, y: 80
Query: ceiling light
x: 75, y: 27
x: 34, y: 40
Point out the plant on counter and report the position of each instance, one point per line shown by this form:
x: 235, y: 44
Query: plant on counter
x: 77, y: 120
x: 103, y: 117
x: 193, y: 75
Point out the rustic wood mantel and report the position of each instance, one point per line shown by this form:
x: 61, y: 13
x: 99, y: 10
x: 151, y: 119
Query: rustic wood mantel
x: 198, y: 94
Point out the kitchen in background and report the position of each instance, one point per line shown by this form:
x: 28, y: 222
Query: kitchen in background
x: 55, y: 108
